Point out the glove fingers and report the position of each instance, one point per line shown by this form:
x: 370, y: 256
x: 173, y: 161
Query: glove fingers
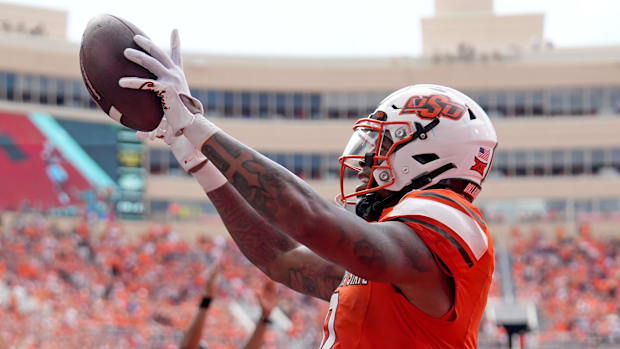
x: 143, y: 135
x: 139, y: 84
x: 164, y: 132
x: 192, y: 104
x: 158, y: 133
x: 154, y: 136
x: 152, y: 49
x: 175, y: 49
x: 168, y: 137
x: 146, y: 61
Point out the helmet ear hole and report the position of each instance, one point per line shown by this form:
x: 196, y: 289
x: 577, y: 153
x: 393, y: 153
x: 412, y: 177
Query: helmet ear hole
x: 425, y: 158
x: 471, y: 114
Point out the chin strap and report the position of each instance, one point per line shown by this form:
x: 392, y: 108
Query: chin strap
x: 370, y: 206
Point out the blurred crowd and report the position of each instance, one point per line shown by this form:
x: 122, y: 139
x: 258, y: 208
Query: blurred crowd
x: 574, y: 282
x: 79, y: 288
x: 82, y: 288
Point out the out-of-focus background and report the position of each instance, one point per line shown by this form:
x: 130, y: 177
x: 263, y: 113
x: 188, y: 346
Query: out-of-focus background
x: 104, y: 240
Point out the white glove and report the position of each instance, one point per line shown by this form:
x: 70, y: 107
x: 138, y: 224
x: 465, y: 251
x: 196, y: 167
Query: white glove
x: 180, y: 108
x: 191, y: 159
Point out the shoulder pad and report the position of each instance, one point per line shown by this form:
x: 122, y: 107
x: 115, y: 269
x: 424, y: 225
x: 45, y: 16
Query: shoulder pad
x: 461, y: 224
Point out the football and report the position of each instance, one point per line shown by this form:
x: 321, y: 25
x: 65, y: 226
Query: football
x: 102, y: 64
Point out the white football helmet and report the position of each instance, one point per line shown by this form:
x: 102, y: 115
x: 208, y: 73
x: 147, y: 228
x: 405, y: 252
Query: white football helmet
x: 417, y: 137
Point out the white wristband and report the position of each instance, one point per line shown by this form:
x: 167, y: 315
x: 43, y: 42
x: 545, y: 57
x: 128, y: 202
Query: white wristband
x: 209, y: 177
x: 200, y: 131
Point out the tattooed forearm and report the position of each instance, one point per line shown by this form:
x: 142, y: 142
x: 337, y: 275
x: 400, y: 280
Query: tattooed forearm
x: 277, y: 195
x: 298, y: 280
x: 317, y: 279
x: 261, y: 182
x: 254, y: 194
x: 246, y: 174
x: 260, y: 242
x: 291, y: 206
x: 276, y: 254
x: 216, y: 158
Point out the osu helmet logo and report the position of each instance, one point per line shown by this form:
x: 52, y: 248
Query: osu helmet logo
x: 433, y: 106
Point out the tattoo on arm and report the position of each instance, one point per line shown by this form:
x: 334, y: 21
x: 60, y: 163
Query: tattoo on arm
x: 246, y: 173
x: 259, y: 241
x: 268, y: 248
x: 367, y: 253
x: 316, y: 280
x: 216, y: 159
x: 273, y: 192
x: 292, y: 207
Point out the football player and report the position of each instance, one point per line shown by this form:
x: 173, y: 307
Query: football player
x: 412, y: 268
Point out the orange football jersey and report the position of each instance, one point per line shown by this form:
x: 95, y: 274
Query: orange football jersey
x: 366, y: 314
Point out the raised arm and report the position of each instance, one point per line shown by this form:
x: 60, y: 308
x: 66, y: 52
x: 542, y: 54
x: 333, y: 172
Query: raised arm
x: 276, y: 254
x: 389, y: 252
x: 191, y: 338
x: 268, y: 300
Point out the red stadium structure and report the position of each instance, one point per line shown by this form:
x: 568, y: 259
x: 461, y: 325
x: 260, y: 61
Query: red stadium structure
x: 34, y: 172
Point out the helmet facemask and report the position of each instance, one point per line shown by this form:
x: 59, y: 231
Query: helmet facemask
x: 370, y: 147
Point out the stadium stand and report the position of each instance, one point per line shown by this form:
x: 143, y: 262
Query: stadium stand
x: 82, y: 288
x: 574, y: 282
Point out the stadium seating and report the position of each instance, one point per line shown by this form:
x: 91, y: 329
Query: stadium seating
x: 83, y: 287
x: 574, y: 283
x: 84, y: 290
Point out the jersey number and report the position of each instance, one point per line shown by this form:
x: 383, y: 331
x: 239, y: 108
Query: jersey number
x: 330, y: 331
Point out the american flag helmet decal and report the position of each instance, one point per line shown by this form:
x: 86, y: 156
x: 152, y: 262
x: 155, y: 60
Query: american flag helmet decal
x: 484, y: 153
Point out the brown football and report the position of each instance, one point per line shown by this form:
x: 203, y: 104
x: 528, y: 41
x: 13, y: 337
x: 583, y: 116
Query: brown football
x: 102, y: 64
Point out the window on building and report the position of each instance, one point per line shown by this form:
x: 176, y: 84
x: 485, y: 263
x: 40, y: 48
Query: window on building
x: 212, y: 99
x: 521, y: 163
x: 281, y: 105
x: 299, y: 106
x: 577, y: 104
x: 315, y: 106
x: 521, y: 106
x: 597, y: 160
x: 615, y: 159
x: 482, y: 99
x: 557, y: 104
x: 538, y: 102
x: 229, y: 104
x: 615, y: 100
x: 594, y: 100
x: 558, y: 163
x: 500, y: 165
x: 158, y: 162
x: 501, y: 103
x: 577, y: 162
x: 264, y: 111
x: 556, y: 209
x: 577, y: 101
x: 610, y: 205
x: 539, y: 163
x: 246, y: 104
